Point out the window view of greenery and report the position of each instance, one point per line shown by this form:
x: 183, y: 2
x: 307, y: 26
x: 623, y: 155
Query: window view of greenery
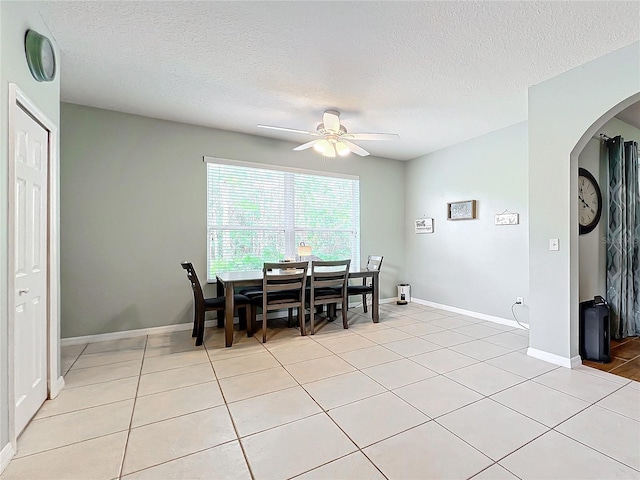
x: 257, y: 215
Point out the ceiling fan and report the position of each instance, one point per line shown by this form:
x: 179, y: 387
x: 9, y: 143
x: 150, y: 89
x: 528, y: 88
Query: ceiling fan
x: 334, y: 138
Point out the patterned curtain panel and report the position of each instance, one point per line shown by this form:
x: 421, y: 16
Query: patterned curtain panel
x: 623, y: 238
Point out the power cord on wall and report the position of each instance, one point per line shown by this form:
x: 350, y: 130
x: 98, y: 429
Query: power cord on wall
x: 526, y: 327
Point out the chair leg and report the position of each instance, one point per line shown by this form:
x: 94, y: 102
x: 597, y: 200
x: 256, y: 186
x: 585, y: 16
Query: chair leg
x: 364, y: 302
x: 331, y: 311
x: 264, y: 325
x: 200, y: 328
x: 195, y: 316
x: 195, y: 321
x: 312, y: 315
x: 290, y: 318
x: 345, y: 323
x: 301, y: 320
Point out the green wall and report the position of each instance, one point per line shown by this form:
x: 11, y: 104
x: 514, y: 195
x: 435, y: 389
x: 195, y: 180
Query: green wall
x: 15, y: 19
x: 133, y: 205
x: 472, y: 264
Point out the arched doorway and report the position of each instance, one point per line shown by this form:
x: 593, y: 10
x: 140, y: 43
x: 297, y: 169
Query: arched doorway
x: 592, y: 252
x: 564, y: 113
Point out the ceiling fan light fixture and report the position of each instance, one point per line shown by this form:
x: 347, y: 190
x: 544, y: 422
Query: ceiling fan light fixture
x: 331, y: 151
x: 342, y: 149
x: 332, y: 138
x: 322, y: 146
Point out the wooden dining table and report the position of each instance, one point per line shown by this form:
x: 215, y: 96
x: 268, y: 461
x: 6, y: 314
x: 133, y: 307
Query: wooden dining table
x: 227, y: 282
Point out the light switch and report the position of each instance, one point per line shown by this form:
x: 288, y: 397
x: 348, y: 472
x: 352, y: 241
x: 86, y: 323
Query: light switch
x: 554, y: 244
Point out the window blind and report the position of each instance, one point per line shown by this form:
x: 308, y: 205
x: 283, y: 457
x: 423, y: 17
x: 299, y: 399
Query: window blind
x: 258, y: 213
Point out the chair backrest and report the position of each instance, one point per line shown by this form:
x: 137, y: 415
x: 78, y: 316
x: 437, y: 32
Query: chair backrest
x: 330, y: 274
x: 288, y: 278
x: 198, y: 295
x: 374, y: 262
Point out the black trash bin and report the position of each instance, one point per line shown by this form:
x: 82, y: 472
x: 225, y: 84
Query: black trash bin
x: 595, y: 341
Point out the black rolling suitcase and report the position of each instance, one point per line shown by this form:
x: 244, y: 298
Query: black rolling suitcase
x: 595, y: 332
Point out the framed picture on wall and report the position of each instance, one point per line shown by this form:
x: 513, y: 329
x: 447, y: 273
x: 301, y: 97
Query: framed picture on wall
x: 465, y: 210
x: 424, y: 225
x: 507, y: 218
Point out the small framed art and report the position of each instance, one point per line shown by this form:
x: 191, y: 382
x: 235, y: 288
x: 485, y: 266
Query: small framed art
x: 465, y: 210
x: 507, y: 218
x: 424, y: 225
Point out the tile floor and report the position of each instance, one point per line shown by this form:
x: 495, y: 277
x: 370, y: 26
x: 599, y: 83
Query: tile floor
x: 423, y: 394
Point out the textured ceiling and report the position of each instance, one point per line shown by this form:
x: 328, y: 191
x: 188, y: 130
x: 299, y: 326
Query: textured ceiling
x: 436, y: 73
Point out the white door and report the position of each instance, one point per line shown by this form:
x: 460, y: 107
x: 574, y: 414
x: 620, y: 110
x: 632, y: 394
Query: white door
x: 30, y: 250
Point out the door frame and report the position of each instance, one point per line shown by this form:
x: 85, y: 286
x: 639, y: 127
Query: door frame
x: 55, y: 381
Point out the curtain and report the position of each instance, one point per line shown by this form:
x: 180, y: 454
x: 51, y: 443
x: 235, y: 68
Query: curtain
x: 623, y: 238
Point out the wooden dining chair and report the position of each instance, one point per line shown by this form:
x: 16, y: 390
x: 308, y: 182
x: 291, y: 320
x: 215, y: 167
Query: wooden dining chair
x: 374, y: 262
x: 203, y: 305
x: 283, y: 286
x: 328, y: 286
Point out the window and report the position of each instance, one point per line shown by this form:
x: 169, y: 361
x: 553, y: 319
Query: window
x: 260, y: 213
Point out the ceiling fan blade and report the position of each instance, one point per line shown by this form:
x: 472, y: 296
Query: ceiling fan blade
x: 304, y: 146
x: 293, y: 130
x: 331, y: 120
x: 354, y: 148
x: 370, y: 136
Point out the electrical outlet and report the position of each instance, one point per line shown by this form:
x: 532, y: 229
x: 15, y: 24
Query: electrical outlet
x: 519, y: 300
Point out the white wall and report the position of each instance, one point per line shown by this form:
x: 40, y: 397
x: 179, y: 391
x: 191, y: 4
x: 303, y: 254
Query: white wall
x: 592, y: 246
x: 471, y: 264
x: 564, y: 112
x: 15, y: 19
x: 133, y: 205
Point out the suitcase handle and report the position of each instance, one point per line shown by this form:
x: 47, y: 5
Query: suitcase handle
x: 598, y: 300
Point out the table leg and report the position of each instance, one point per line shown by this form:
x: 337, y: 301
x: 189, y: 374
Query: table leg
x: 375, y: 301
x: 220, y: 292
x: 228, y: 315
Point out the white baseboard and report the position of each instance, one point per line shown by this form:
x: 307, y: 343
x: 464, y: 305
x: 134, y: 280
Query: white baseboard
x: 532, y: 352
x: 576, y: 361
x: 56, y: 387
x: 382, y: 300
x: 555, y: 359
x: 6, y: 454
x: 103, y: 337
x: 141, y: 332
x: 469, y: 313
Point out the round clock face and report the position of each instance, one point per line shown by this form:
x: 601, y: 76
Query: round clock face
x: 589, y: 201
x: 48, y: 59
x: 41, y: 57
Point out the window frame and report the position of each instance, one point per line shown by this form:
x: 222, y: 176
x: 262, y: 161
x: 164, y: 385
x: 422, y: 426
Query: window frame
x: 289, y: 229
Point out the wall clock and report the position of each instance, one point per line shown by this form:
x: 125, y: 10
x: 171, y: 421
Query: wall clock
x: 589, y: 201
x: 41, y: 57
